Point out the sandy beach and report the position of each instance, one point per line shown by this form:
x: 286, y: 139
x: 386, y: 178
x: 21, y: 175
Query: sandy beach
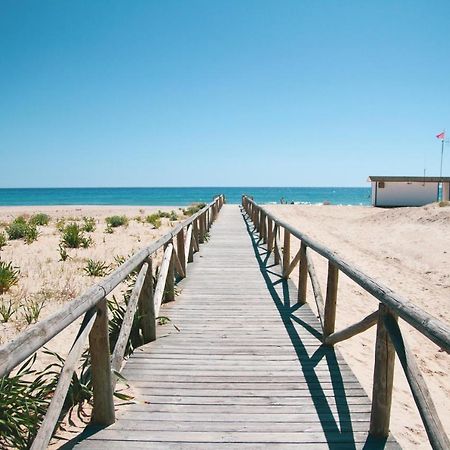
x: 44, y: 277
x: 407, y: 249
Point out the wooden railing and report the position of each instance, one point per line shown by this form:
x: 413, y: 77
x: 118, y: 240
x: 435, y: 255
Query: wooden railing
x: 179, y: 246
x: 389, y: 339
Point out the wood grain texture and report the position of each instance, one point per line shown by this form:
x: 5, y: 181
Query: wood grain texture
x: 245, y: 366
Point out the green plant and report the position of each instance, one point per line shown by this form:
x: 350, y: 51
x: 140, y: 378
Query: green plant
x: 109, y: 229
x: 31, y: 234
x: 3, y: 240
x: 60, y: 224
x: 73, y: 237
x: 194, y: 208
x: 154, y: 220
x: 40, y: 219
x: 97, y: 268
x: 24, y: 401
x: 7, y: 309
x: 63, y: 255
x: 32, y: 308
x: 116, y: 221
x: 17, y: 228
x: 9, y: 276
x: 89, y: 224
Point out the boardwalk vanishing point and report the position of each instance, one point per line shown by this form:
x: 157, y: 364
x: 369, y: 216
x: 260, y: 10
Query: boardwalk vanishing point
x: 241, y: 360
x: 246, y: 368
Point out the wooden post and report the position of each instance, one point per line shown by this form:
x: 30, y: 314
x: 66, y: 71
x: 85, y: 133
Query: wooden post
x: 276, y: 238
x: 169, y: 290
x: 103, y: 409
x: 302, y: 274
x: 330, y: 301
x: 286, y: 253
x: 269, y: 234
x: 180, y: 249
x: 262, y: 228
x: 146, y: 306
x: 383, y: 377
x: 201, y: 233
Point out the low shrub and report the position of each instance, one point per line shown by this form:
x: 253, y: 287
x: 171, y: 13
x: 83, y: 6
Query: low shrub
x: 192, y: 209
x: 9, y: 276
x: 97, y: 268
x: 116, y: 221
x: 3, y: 240
x: 73, y: 237
x: 40, y: 219
x: 63, y: 255
x: 89, y: 224
x: 19, y: 228
x: 154, y: 220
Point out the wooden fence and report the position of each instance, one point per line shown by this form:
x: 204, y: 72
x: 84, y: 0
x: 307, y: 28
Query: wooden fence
x: 389, y: 339
x: 179, y: 246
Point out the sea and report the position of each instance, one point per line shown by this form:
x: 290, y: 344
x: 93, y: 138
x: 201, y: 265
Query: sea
x: 181, y: 196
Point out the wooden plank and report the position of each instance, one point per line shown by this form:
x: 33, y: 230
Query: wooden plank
x: 181, y: 252
x: 125, y: 329
x: 353, y: 329
x: 317, y: 291
x: 188, y: 249
x: 161, y: 283
x: 59, y: 396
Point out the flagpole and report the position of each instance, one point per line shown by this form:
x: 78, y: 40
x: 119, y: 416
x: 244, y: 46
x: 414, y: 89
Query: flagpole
x: 442, y: 157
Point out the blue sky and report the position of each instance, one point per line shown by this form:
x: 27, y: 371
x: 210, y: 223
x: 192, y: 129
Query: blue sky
x: 198, y: 93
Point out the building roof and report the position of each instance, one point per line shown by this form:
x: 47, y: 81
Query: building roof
x: 405, y: 178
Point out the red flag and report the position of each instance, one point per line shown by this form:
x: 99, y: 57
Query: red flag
x: 441, y: 135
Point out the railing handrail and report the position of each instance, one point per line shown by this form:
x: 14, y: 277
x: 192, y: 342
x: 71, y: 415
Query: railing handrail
x: 389, y: 339
x: 434, y: 329
x: 32, y: 339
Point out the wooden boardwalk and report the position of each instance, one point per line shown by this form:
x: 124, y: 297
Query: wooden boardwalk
x: 246, y: 368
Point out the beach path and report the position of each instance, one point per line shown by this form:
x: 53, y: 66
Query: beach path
x: 239, y: 365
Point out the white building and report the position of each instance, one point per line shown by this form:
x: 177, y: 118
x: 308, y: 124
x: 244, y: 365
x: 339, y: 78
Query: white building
x: 408, y: 191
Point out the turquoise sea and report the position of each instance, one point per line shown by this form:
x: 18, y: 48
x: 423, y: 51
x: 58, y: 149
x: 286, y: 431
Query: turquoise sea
x: 181, y: 196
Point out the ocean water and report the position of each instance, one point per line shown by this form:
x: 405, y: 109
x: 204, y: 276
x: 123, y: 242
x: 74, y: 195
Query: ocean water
x: 181, y: 196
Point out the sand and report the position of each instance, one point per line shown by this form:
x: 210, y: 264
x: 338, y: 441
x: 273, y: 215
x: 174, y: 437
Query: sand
x: 44, y: 277
x: 407, y: 249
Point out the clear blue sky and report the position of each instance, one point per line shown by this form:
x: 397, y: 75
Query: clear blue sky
x: 235, y: 92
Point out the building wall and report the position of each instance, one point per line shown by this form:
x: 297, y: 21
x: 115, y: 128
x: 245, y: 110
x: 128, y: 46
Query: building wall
x: 402, y: 193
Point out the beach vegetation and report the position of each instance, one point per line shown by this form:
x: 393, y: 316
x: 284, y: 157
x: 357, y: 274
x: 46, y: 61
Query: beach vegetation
x: 88, y: 224
x: 172, y: 215
x: 32, y: 307
x: 19, y: 228
x: 23, y: 404
x: 3, y: 240
x: 9, y: 276
x: 73, y: 236
x: 109, y: 229
x: 97, y: 268
x: 154, y: 220
x: 60, y: 224
x: 443, y: 204
x: 40, y: 219
x: 63, y: 254
x: 194, y: 208
x: 7, y: 309
x: 117, y: 221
